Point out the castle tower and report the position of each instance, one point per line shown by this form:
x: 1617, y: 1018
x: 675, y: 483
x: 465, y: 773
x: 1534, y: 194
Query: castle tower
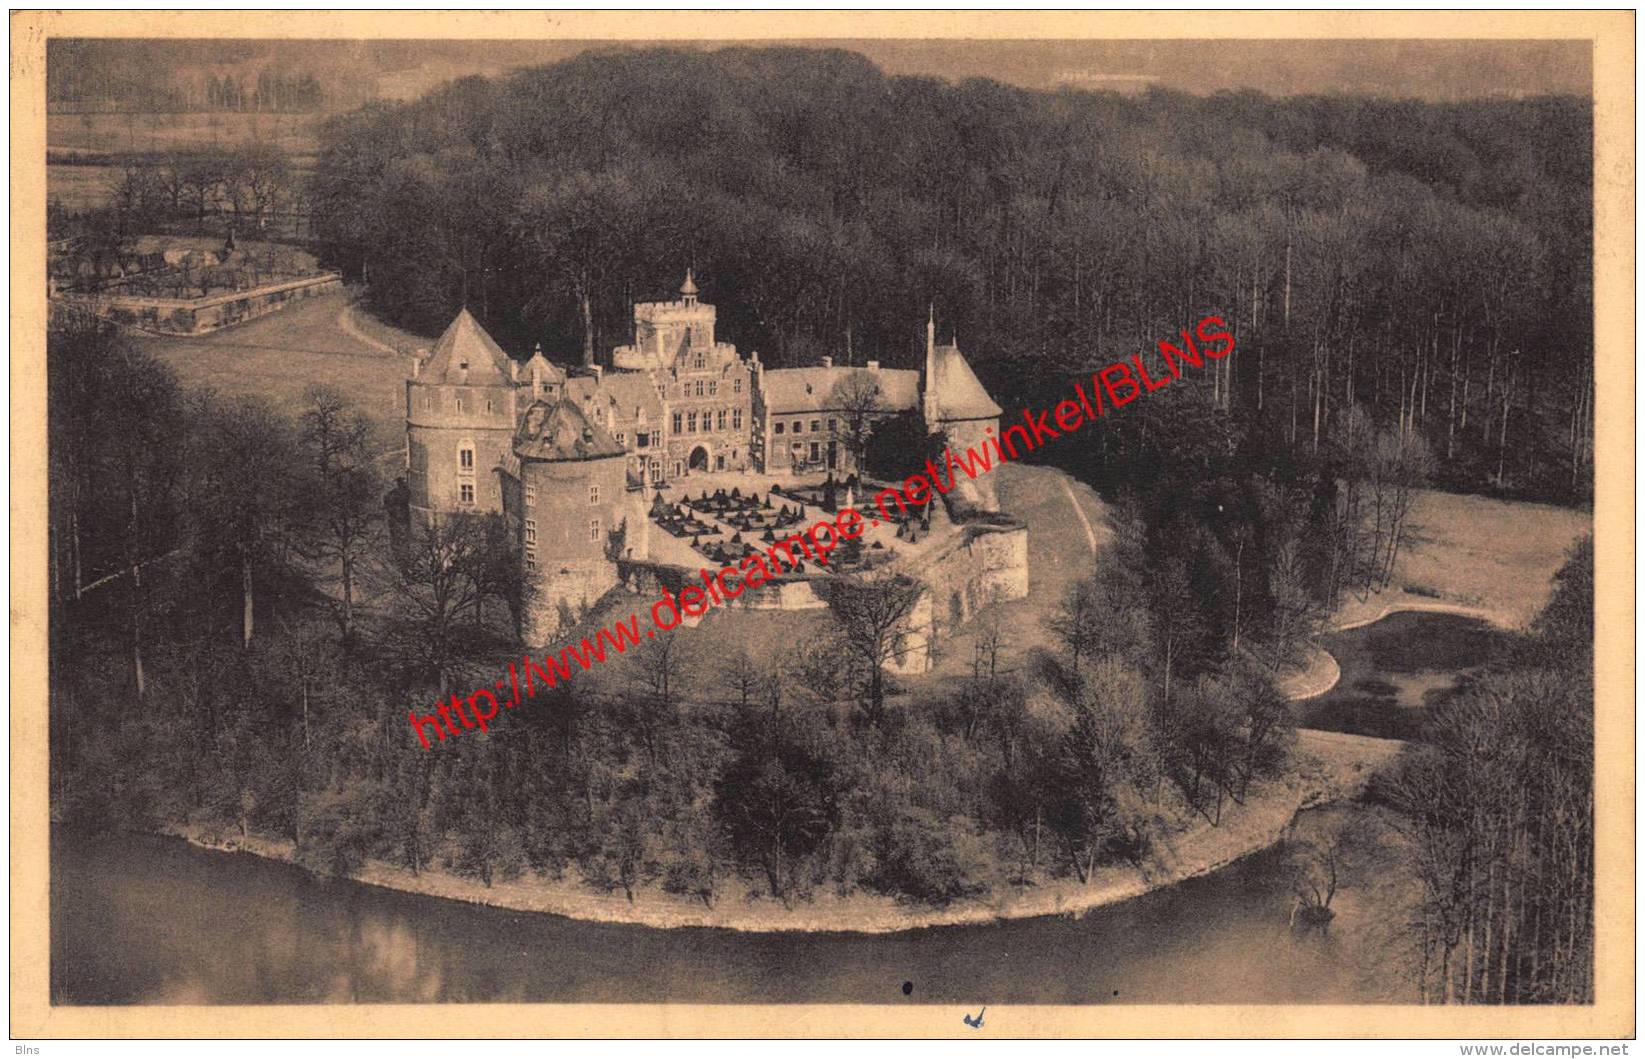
x: 665, y: 332
x: 460, y: 415
x: 572, y: 492
x: 955, y: 403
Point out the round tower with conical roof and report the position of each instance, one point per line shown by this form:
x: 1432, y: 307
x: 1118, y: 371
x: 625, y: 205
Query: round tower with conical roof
x: 570, y: 492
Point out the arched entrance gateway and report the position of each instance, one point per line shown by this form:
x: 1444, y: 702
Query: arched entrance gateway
x: 699, y: 459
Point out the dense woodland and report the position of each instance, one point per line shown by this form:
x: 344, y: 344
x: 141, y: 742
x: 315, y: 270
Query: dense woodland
x: 240, y: 619
x: 1428, y: 263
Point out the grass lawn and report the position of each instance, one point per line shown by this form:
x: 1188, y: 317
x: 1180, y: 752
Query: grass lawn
x: 1497, y: 557
x: 278, y: 356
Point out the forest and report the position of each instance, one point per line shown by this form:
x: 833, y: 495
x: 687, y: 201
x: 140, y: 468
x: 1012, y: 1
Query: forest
x: 239, y: 619
x: 1426, y: 263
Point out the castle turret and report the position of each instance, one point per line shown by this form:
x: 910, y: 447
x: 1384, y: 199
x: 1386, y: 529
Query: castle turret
x: 572, y: 491
x: 460, y: 413
x: 956, y: 404
x: 928, y: 390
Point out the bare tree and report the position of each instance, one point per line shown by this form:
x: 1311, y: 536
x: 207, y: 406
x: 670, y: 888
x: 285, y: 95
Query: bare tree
x: 874, y: 612
x: 336, y: 441
x: 432, y: 586
x: 858, y: 403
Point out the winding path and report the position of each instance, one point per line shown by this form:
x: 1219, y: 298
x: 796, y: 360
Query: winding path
x: 345, y: 321
x: 1085, y: 523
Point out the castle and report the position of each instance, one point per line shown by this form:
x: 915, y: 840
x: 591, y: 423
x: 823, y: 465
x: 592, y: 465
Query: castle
x: 573, y: 458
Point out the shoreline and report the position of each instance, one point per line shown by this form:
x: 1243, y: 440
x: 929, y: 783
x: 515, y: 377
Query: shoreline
x: 1329, y: 767
x: 1322, y: 672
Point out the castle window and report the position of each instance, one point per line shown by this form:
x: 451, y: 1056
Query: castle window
x: 702, y: 362
x: 488, y: 405
x: 530, y: 495
x: 459, y: 403
x: 713, y: 388
x: 679, y: 468
x: 593, y: 494
x: 465, y: 493
x: 779, y: 428
x: 530, y: 559
x: 530, y: 532
x: 699, y: 385
x: 816, y: 450
x: 816, y: 426
x: 643, y: 438
x: 719, y: 462
x: 691, y: 422
x: 622, y: 439
x: 736, y: 419
x: 677, y: 429
x: 428, y: 402
x: 656, y: 471
x: 465, y: 459
x: 736, y: 386
x: 831, y: 425
x: 719, y: 420
x: 593, y: 529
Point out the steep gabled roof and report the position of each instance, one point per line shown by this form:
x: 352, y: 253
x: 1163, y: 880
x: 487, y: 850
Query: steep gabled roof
x: 543, y: 366
x: 466, y: 342
x: 560, y: 431
x: 621, y: 394
x: 958, y: 393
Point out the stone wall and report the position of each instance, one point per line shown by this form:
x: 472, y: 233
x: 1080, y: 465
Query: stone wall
x: 984, y: 563
x: 198, y: 316
x: 981, y: 564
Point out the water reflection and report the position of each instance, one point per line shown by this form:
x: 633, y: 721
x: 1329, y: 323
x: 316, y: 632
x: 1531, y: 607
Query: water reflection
x: 1393, y: 670
x: 140, y: 919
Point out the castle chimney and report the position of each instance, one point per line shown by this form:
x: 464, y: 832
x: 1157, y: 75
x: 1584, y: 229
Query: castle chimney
x: 873, y: 365
x: 828, y: 362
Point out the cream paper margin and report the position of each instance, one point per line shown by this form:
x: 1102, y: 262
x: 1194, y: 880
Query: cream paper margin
x: 1613, y: 1014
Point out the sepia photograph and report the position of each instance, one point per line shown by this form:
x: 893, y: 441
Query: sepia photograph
x: 698, y: 510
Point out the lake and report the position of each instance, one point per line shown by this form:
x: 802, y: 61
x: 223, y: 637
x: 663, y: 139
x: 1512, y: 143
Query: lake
x: 1393, y: 669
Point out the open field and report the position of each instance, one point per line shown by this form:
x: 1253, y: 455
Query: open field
x: 91, y: 136
x: 1494, y: 558
x: 280, y: 355
x: 109, y: 133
